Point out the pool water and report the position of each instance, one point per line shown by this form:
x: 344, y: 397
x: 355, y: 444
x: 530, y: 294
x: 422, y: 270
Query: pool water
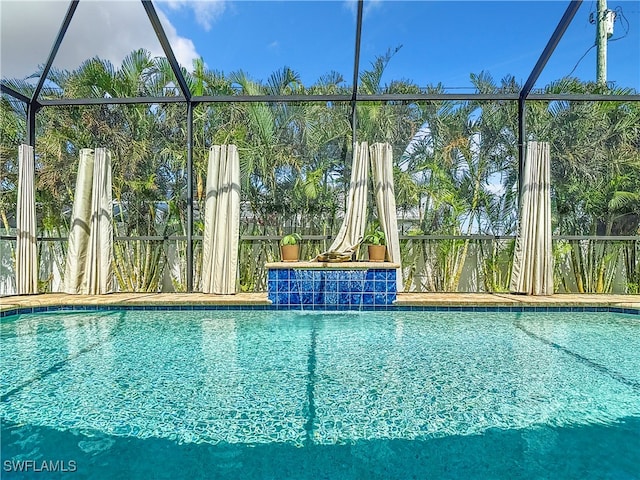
x: 247, y: 394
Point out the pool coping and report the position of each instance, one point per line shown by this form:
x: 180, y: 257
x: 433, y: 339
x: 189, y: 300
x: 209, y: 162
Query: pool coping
x: 20, y: 304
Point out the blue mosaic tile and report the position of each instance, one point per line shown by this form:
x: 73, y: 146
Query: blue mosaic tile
x: 344, y: 298
x: 358, y: 302
x: 355, y: 298
x: 331, y: 298
x: 367, y: 298
x: 380, y: 275
x: 380, y: 298
x: 368, y: 286
x: 282, y: 298
x: 366, y: 308
x: 331, y: 275
x: 300, y: 279
x: 294, y: 298
x: 284, y: 274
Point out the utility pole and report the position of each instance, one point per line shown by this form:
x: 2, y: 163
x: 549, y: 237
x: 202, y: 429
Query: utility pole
x: 603, y: 18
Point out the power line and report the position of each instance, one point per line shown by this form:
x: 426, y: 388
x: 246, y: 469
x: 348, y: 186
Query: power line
x: 581, y: 58
x: 623, y: 21
x: 620, y: 17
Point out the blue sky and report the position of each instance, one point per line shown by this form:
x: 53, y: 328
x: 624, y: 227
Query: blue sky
x: 441, y: 41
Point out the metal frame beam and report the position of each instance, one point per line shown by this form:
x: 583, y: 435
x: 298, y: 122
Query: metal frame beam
x: 13, y: 93
x: 64, y: 102
x: 388, y: 97
x: 562, y: 26
x: 356, y: 75
x: 32, y: 110
x: 186, y: 92
x: 32, y: 107
x: 56, y: 45
x: 522, y: 111
x: 587, y: 97
x: 189, y: 253
x: 166, y: 47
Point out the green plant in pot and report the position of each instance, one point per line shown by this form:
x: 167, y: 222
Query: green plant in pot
x: 290, y: 247
x: 376, y: 243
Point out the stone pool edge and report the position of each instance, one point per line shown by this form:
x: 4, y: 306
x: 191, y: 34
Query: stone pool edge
x: 19, y: 304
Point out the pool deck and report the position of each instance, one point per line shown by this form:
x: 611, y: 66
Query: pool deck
x: 403, y: 299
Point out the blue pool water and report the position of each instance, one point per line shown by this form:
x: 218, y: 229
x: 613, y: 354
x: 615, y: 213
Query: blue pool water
x: 244, y: 394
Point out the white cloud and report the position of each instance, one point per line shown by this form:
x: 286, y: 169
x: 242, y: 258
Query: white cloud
x: 351, y: 5
x: 205, y: 12
x: 183, y: 48
x: 107, y: 29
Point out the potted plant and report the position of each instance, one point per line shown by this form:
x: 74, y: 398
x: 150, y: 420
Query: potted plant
x: 290, y: 247
x: 377, y: 244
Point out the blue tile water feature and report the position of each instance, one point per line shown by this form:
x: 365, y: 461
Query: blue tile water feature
x: 299, y: 287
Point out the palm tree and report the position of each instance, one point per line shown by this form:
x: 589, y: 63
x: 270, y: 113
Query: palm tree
x: 455, y: 164
x: 595, y: 172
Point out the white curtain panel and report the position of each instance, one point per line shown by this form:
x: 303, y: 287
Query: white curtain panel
x: 99, y: 267
x: 89, y: 268
x: 382, y: 167
x: 80, y: 225
x: 26, y: 248
x: 222, y: 221
x: 353, y: 225
x: 532, y: 261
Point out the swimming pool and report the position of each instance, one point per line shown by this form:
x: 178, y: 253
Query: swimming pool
x: 249, y: 394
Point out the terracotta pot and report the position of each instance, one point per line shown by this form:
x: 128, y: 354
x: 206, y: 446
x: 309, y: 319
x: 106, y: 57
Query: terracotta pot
x: 377, y: 253
x: 289, y: 253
